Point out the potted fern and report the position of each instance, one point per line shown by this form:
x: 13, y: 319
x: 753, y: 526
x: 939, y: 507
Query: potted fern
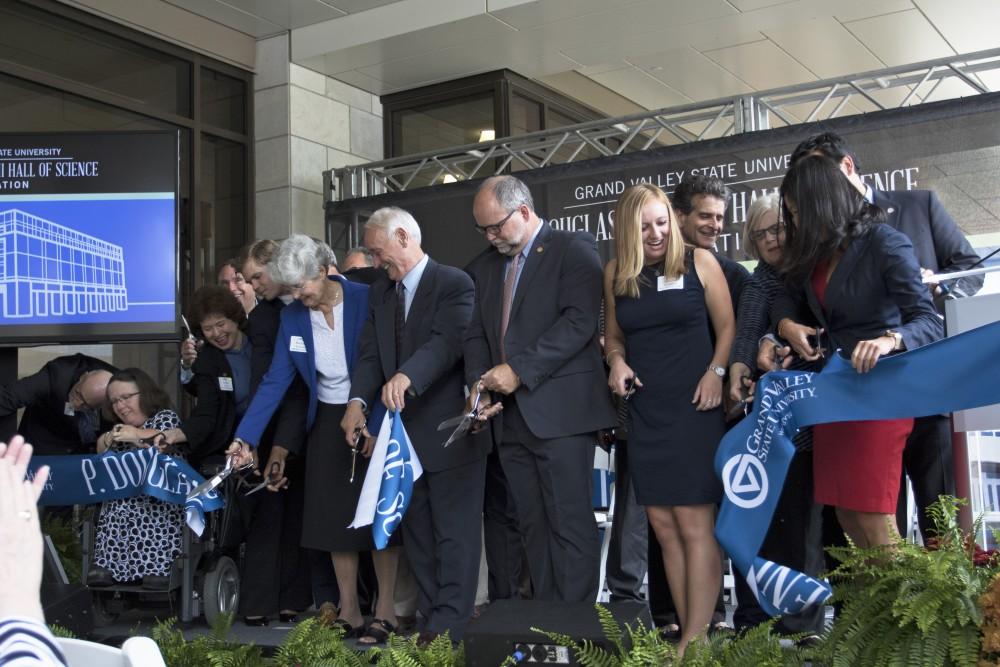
x: 907, y: 605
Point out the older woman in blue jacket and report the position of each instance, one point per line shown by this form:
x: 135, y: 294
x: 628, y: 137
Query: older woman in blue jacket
x: 318, y: 340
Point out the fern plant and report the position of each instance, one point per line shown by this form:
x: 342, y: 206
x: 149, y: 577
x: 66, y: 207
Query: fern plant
x: 907, y: 605
x: 406, y: 652
x: 312, y: 643
x: 211, y: 650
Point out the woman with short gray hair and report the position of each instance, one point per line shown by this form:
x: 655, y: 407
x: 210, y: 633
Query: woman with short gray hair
x: 319, y: 340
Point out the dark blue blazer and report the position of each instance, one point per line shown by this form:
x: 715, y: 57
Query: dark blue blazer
x: 286, y: 363
x: 876, y: 286
x: 938, y: 242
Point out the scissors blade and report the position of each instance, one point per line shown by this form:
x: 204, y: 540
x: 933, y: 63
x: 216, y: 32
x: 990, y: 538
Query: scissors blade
x: 209, y: 484
x: 186, y: 325
x: 460, y: 431
x: 453, y: 421
x: 257, y: 488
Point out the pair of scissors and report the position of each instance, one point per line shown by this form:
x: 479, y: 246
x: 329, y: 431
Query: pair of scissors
x: 271, y: 478
x: 354, y: 452
x: 214, y: 481
x: 463, y: 422
x: 630, y: 387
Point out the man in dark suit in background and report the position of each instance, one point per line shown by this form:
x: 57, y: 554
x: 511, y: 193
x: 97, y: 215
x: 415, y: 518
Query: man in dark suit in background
x: 533, y: 343
x: 410, y: 359
x: 62, y: 404
x: 940, y: 247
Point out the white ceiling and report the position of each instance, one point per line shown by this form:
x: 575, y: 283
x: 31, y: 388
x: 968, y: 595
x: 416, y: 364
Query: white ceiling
x: 619, y: 56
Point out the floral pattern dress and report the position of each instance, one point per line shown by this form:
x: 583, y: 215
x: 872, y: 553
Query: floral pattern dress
x: 139, y: 536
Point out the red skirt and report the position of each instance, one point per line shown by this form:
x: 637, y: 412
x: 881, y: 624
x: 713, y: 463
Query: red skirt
x: 858, y: 465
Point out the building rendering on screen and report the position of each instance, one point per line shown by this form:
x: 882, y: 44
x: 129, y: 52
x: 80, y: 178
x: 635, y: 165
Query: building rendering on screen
x: 47, y: 269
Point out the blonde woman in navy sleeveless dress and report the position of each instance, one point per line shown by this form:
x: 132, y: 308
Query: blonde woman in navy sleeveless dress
x: 663, y: 301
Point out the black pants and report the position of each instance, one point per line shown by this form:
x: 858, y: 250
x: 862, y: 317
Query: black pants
x: 626, y: 564
x: 928, y: 462
x: 551, y: 482
x: 504, y: 549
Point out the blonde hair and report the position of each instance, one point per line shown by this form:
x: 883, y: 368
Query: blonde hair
x: 760, y: 206
x: 628, y: 239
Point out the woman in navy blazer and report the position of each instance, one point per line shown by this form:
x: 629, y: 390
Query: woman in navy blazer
x: 318, y: 340
x: 862, y: 284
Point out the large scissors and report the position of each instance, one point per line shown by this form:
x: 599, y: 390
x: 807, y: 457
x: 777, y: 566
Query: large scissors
x: 271, y: 478
x: 216, y: 480
x: 463, y: 422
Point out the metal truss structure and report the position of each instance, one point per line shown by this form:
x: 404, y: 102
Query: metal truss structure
x: 896, y: 87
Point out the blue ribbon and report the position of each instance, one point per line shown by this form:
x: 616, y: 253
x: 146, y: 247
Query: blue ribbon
x: 84, y: 480
x: 396, y: 489
x: 957, y: 373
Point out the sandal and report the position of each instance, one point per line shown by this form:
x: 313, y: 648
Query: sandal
x: 378, y: 632
x: 670, y: 632
x: 350, y: 632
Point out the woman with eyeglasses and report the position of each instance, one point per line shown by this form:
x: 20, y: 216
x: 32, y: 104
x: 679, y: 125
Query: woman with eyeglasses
x: 663, y: 301
x: 139, y: 537
x: 859, y: 280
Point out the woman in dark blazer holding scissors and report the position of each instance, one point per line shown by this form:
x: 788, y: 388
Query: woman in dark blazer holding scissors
x: 862, y: 285
x: 318, y: 340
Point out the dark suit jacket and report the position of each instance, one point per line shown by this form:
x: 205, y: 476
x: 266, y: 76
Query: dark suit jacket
x: 551, y: 340
x: 209, y: 427
x: 43, y: 395
x: 431, y: 356
x: 285, y: 363
x: 876, y: 286
x: 937, y: 241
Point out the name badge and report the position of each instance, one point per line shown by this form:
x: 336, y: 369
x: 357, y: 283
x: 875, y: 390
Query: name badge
x: 226, y: 384
x: 296, y: 344
x: 663, y: 284
x: 68, y: 410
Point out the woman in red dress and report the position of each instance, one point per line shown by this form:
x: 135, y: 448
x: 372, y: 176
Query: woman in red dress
x: 862, y: 286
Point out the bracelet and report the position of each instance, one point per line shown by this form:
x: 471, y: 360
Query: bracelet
x: 607, y: 355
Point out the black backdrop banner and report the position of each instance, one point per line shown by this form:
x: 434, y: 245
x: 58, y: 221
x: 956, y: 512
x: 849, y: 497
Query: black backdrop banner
x: 952, y: 147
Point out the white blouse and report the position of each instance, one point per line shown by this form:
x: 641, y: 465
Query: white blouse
x: 333, y: 382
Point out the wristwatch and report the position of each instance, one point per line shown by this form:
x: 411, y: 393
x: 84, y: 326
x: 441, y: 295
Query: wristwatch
x: 896, y: 337
x: 718, y: 370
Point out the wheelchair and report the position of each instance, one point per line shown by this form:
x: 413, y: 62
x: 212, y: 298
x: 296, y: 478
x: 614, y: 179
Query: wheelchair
x: 204, y: 580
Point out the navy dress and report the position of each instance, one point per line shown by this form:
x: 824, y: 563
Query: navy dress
x: 668, y: 343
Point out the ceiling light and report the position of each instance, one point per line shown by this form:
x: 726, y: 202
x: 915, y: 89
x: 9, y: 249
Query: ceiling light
x: 487, y: 135
x: 448, y: 178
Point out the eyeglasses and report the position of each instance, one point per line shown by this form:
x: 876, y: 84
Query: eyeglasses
x: 495, y: 229
x: 774, y: 230
x: 122, y: 398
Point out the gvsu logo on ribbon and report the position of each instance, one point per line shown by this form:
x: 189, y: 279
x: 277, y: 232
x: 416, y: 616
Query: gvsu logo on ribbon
x: 388, y: 486
x: 752, y: 459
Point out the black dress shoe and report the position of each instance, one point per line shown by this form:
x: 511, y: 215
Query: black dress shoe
x: 288, y: 617
x: 255, y: 621
x: 99, y: 576
x: 156, y: 582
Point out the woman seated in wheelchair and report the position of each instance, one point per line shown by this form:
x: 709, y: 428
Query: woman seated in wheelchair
x: 139, y: 537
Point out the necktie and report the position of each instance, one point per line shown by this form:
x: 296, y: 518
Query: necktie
x: 508, y: 300
x: 400, y: 320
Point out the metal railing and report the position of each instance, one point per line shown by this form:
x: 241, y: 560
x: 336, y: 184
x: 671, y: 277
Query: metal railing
x: 890, y: 88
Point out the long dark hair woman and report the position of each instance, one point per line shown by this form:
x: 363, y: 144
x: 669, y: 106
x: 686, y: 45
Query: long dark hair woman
x: 861, y: 285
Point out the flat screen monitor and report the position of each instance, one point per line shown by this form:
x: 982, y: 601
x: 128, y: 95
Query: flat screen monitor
x: 88, y: 237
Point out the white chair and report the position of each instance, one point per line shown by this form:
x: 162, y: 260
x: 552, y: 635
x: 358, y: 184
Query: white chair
x: 135, y: 652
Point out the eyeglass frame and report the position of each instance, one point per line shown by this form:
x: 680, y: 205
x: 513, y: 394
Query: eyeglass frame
x: 495, y: 229
x: 121, y: 399
x: 774, y: 230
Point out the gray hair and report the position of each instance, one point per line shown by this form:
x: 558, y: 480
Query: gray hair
x: 510, y: 192
x: 300, y: 258
x: 760, y: 206
x: 390, y: 218
x: 363, y: 251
